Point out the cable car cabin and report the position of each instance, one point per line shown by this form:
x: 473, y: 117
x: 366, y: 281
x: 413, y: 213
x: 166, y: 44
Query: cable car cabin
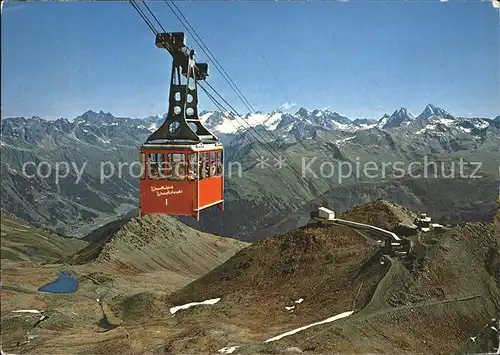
x: 181, y: 181
x: 182, y: 160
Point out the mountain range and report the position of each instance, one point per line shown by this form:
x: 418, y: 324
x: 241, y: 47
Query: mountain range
x: 226, y: 123
x: 95, y: 143
x: 160, y: 284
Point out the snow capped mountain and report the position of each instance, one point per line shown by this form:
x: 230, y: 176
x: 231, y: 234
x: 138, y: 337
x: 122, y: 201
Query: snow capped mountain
x: 331, y: 120
x: 440, y: 125
x: 305, y: 124
x: 104, y: 128
x: 100, y: 117
x: 398, y: 118
x: 431, y: 110
x: 302, y: 124
x: 224, y: 123
x: 219, y: 121
x: 99, y: 120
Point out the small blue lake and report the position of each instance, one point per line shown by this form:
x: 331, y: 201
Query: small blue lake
x: 65, y: 283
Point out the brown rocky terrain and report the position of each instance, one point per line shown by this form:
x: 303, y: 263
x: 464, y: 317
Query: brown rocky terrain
x: 432, y: 300
x: 148, y: 256
x: 432, y: 305
x: 24, y: 243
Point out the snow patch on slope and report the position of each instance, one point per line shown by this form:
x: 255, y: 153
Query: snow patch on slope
x: 153, y: 127
x: 343, y: 140
x: 174, y: 310
x: 328, y: 320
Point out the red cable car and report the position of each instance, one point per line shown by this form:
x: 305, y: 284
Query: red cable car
x: 182, y: 161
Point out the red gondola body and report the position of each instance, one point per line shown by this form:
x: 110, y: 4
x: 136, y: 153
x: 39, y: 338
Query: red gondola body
x: 182, y: 161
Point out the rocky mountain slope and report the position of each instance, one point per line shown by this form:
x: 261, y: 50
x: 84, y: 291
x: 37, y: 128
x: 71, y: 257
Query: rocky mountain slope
x: 437, y: 197
x: 412, y: 168
x: 496, y: 251
x: 157, y: 242
x: 279, y: 295
x: 434, y: 303
x: 435, y: 310
x: 23, y: 243
x: 83, y: 152
x: 323, y: 266
x: 97, y: 190
x: 153, y: 255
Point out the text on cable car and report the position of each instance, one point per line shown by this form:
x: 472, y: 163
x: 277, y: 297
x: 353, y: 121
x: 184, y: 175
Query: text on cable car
x: 165, y: 190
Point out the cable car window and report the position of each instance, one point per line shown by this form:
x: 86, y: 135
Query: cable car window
x: 162, y: 165
x: 201, y: 166
x: 204, y: 165
x: 143, y: 165
x: 167, y: 170
x: 153, y: 166
x: 193, y: 167
x: 219, y: 163
x: 177, y: 166
x: 213, y: 168
x: 207, y: 165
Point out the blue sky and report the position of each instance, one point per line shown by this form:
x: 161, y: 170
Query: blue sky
x: 360, y: 58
